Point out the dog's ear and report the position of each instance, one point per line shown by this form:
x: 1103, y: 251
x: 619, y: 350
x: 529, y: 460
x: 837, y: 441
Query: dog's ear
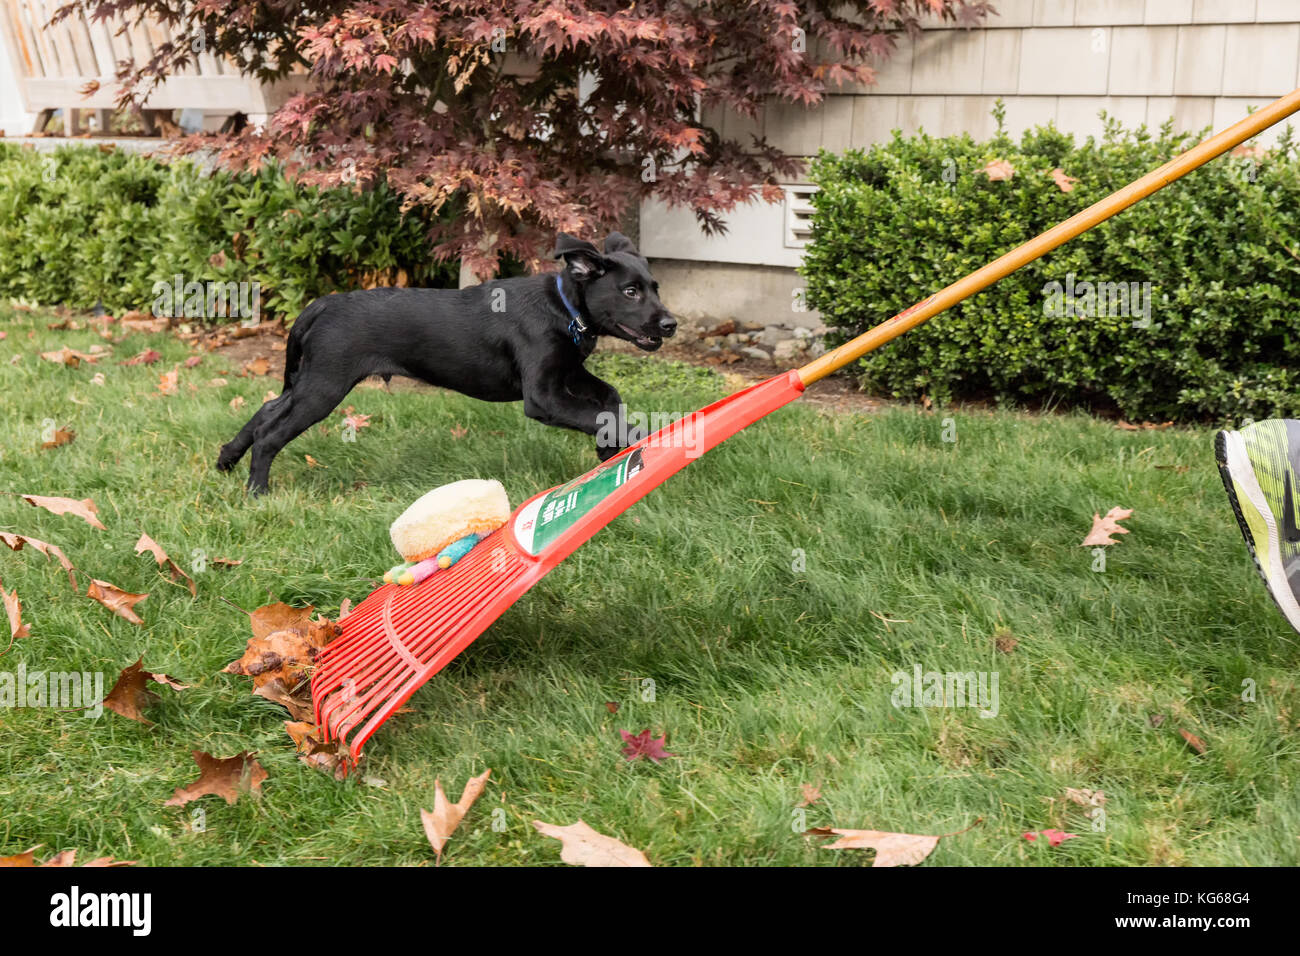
x: 583, y: 259
x: 617, y: 242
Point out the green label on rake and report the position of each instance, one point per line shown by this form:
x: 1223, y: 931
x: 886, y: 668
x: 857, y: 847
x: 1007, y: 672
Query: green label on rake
x: 543, y: 521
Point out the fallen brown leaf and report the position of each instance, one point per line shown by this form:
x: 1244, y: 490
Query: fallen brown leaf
x: 313, y: 463
x: 280, y: 653
x: 583, y: 846
x: 227, y: 778
x: 1004, y: 641
x: 1104, y: 527
x: 892, y: 849
x: 169, y: 382
x: 147, y: 543
x: 16, y: 542
x: 131, y: 695
x: 122, y: 603
x: 14, y: 611
x: 442, y: 821
x: 260, y: 365
x: 71, y: 357
x: 238, y: 402
x: 306, y: 738
x: 811, y: 794
x: 1063, y: 182
x: 1193, y: 741
x: 998, y: 170
x: 62, y: 436
x: 84, y: 509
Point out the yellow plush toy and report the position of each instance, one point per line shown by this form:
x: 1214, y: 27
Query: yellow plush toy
x: 441, y: 527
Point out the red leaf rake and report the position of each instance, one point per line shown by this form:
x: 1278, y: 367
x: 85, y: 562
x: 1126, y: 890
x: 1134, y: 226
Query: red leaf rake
x: 399, y: 637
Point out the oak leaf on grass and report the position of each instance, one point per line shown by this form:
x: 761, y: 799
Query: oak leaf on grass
x: 147, y: 543
x: 122, y: 603
x: 580, y: 845
x: 228, y: 778
x: 892, y: 849
x: 441, y: 822
x: 14, y: 611
x: 16, y: 542
x: 1104, y: 527
x: 131, y: 694
x: 84, y: 509
x: 64, y: 858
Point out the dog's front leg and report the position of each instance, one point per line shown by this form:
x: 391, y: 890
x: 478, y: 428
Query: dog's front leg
x: 584, y: 404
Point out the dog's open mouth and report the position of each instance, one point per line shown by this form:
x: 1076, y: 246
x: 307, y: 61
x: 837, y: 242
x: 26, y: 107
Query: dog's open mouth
x: 644, y: 342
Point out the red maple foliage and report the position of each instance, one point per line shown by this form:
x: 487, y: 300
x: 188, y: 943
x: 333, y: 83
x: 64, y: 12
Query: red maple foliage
x: 528, y: 117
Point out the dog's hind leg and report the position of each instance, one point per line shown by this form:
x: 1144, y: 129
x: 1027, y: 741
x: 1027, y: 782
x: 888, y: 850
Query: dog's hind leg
x: 234, y: 449
x: 310, y: 402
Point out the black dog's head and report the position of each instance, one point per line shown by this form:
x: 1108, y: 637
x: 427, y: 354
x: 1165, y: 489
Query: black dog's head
x: 620, y: 296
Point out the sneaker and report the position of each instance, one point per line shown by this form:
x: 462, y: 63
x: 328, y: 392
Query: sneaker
x: 1260, y: 467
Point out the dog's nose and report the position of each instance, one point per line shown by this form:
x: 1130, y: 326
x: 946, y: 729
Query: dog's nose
x: 667, y: 325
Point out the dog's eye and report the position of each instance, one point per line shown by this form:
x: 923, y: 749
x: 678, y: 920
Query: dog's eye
x: 632, y: 292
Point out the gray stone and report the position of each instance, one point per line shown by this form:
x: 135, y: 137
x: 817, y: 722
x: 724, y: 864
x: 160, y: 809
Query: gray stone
x: 751, y: 352
x: 787, y: 350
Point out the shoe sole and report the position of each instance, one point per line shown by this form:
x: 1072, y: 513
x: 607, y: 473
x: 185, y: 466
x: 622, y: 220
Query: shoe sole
x: 1236, y: 472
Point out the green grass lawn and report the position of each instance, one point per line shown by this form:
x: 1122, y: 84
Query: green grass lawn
x: 765, y: 677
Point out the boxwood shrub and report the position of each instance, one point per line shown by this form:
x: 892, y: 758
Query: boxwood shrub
x: 80, y: 226
x: 1220, y: 250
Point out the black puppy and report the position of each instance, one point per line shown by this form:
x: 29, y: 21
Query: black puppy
x: 502, y: 341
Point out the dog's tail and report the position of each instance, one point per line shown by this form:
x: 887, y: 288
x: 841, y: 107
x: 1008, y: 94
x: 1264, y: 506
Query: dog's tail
x: 297, y: 333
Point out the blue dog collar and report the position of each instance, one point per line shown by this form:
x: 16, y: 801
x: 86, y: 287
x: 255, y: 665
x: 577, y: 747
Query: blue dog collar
x: 577, y: 328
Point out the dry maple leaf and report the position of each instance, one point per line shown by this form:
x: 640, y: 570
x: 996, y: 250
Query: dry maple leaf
x: 611, y: 706
x: 261, y: 365
x: 135, y: 321
x: 193, y: 361
x: 313, y: 463
x: 14, y: 611
x: 1085, y: 797
x: 583, y: 846
x: 442, y: 821
x: 26, y: 858
x: 1063, y: 182
x: 85, y: 508
x: 238, y: 402
x: 1054, y: 837
x: 458, y: 433
x: 641, y: 745
x: 892, y: 849
x: 147, y: 357
x: 131, y: 695
x: 147, y: 543
x: 122, y: 603
x: 169, y: 382
x: 62, y: 436
x: 70, y: 357
x: 998, y: 170
x: 811, y: 794
x: 1104, y: 527
x: 66, y: 858
x: 226, y: 562
x: 16, y: 542
x: 1193, y: 741
x: 227, y: 778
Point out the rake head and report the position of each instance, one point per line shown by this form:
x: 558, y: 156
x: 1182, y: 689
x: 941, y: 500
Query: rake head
x: 399, y: 637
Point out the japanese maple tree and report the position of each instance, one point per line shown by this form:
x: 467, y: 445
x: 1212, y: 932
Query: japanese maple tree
x: 528, y: 117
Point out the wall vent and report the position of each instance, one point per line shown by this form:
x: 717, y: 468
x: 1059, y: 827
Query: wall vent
x: 798, y: 215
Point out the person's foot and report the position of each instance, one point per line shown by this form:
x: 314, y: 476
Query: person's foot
x: 1260, y: 467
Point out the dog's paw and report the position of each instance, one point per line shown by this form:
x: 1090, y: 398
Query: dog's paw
x: 225, y: 461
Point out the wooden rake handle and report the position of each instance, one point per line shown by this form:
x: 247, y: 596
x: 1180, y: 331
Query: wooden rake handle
x: 1081, y: 222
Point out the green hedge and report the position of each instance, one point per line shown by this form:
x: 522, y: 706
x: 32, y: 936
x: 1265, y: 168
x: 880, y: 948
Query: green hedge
x: 1220, y: 249
x: 80, y: 226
